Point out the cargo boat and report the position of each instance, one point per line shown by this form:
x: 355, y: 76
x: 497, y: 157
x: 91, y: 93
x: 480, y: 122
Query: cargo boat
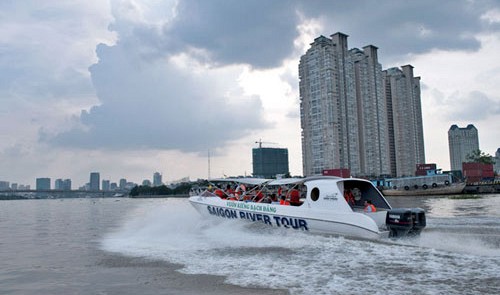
x: 437, y: 184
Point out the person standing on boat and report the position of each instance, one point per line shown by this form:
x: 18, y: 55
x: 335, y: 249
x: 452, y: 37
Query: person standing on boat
x: 369, y: 207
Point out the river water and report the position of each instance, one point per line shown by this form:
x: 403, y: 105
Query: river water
x: 162, y: 246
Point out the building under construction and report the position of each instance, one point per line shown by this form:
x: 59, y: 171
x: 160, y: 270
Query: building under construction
x: 269, y: 162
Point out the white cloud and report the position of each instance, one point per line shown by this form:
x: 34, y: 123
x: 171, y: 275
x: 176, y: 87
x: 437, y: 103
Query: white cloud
x: 491, y: 16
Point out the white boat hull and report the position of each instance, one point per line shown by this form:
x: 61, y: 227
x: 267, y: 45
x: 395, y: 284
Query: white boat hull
x: 290, y: 217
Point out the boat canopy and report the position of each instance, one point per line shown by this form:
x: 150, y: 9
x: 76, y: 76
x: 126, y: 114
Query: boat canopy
x: 286, y: 181
x: 246, y: 180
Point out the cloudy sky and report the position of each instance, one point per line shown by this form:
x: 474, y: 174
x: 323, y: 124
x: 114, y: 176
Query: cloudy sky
x: 129, y: 87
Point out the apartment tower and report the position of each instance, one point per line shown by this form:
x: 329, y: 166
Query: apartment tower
x: 351, y: 112
x: 404, y: 110
x: 461, y: 141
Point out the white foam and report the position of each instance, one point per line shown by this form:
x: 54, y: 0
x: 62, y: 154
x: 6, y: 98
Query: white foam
x: 466, y: 243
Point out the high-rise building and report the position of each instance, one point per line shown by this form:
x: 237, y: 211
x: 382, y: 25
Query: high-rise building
x: 326, y: 100
x: 59, y: 183
x: 4, y: 185
x: 123, y: 183
x: 405, y: 129
x: 67, y: 184
x: 94, y: 181
x: 372, y: 112
x: 42, y: 184
x: 157, y: 179
x: 106, y: 185
x: 269, y: 162
x: 345, y: 112
x: 462, y: 142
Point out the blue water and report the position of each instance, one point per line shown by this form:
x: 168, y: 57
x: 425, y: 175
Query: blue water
x: 128, y: 246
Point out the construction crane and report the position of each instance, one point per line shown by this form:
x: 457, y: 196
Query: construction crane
x: 260, y: 142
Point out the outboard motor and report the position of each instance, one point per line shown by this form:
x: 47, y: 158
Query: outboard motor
x: 402, y: 222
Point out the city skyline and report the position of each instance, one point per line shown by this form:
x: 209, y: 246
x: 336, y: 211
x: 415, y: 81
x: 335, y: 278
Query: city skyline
x: 94, y: 183
x: 127, y: 88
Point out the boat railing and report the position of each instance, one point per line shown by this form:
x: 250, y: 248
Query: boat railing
x: 263, y: 192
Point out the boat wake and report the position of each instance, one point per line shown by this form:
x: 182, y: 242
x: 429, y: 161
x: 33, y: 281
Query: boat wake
x: 149, y: 231
x: 250, y: 254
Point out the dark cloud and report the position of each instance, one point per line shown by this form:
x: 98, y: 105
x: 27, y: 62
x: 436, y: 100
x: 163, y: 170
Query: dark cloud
x: 259, y: 33
x: 400, y: 28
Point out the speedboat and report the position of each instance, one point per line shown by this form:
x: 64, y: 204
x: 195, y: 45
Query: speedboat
x: 323, y: 204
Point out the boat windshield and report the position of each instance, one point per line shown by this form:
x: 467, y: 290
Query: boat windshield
x: 361, y: 191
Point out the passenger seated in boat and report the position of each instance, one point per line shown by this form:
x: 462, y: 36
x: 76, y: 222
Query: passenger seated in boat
x: 369, y: 207
x: 220, y: 193
x: 283, y: 201
x: 273, y: 198
x: 295, y: 197
x: 267, y: 200
x: 240, y: 192
x: 229, y: 192
x: 247, y: 194
x: 258, y: 197
x: 349, y: 197
x: 280, y: 191
x: 358, y: 197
